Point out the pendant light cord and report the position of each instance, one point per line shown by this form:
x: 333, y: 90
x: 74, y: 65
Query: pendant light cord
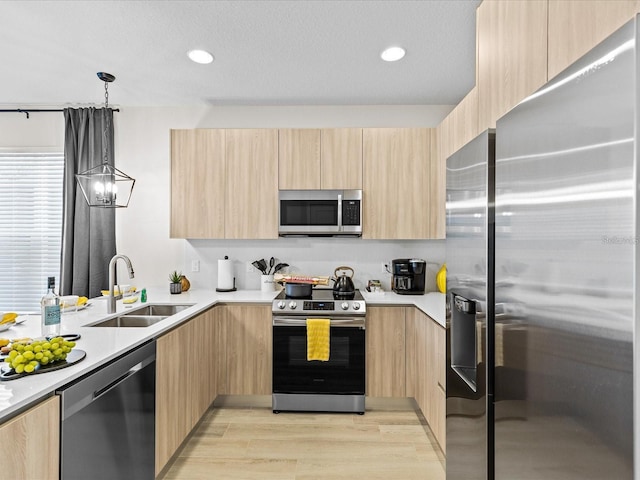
x: 105, y: 119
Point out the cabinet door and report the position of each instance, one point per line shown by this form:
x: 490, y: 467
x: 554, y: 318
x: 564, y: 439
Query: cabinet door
x: 416, y: 359
x: 396, y: 169
x: 197, y: 183
x: 341, y: 159
x: 512, y: 54
x: 426, y: 354
x: 184, y: 382
x: 439, y: 398
x: 32, y: 443
x: 201, y: 371
x: 412, y: 374
x: 385, y: 347
x: 576, y: 26
x: 299, y: 159
x: 172, y: 413
x: 251, y: 207
x: 248, y: 349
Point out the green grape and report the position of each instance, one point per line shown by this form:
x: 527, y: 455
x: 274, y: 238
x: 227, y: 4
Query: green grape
x: 28, y: 358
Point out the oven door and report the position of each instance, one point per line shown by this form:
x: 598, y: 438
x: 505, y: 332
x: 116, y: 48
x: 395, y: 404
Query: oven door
x: 343, y: 373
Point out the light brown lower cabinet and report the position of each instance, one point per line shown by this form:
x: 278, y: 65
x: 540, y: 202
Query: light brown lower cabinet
x: 426, y: 369
x: 32, y: 443
x: 185, y: 381
x: 244, y: 350
x: 385, y: 352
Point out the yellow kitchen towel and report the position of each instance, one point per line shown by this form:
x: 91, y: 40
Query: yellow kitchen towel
x: 318, y: 331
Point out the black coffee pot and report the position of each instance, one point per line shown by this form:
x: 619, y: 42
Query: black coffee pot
x: 343, y: 284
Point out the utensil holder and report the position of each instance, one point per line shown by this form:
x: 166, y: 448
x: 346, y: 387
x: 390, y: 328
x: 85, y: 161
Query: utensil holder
x: 267, y: 283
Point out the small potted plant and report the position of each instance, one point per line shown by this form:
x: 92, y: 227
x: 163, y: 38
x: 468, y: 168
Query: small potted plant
x: 175, y: 286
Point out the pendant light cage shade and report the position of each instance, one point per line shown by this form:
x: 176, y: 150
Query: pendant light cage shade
x: 105, y: 186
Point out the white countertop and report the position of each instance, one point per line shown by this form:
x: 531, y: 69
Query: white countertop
x: 431, y: 303
x: 105, y: 344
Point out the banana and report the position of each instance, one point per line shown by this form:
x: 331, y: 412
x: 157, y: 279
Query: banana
x: 82, y: 301
x: 441, y: 278
x: 8, y: 318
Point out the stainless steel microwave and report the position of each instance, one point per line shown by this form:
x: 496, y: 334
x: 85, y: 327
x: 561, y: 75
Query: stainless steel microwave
x: 320, y: 213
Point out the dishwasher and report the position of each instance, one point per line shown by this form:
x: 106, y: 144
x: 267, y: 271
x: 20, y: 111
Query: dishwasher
x: 108, y: 420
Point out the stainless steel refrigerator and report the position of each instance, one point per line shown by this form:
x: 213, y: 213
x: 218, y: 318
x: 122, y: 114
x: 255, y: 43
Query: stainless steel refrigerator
x: 470, y: 274
x: 559, y: 398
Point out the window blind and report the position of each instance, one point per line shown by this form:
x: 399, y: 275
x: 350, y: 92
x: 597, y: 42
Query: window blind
x: 30, y: 227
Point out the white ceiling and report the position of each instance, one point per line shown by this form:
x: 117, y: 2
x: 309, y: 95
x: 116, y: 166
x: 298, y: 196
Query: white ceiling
x: 267, y: 52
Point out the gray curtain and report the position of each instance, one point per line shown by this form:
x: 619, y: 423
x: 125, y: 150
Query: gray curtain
x: 88, y: 234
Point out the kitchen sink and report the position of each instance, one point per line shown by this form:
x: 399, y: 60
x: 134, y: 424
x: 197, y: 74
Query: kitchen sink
x: 157, y: 309
x: 131, y: 321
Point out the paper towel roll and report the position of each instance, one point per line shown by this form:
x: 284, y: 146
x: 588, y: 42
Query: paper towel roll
x: 226, y: 278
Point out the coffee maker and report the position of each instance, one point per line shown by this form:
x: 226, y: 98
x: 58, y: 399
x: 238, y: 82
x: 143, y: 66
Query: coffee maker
x: 408, y: 276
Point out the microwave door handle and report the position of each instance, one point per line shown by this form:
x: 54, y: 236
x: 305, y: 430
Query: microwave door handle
x: 340, y: 212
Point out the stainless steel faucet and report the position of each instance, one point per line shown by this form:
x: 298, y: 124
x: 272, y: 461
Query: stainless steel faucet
x: 111, y: 300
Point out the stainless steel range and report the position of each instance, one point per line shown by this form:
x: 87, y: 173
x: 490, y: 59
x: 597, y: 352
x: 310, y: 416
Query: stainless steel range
x: 335, y: 385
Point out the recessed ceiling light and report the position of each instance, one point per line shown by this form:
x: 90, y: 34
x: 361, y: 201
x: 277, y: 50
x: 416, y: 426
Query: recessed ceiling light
x: 200, y: 56
x: 392, y: 54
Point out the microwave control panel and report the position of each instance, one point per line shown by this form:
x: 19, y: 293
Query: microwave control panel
x: 351, y: 212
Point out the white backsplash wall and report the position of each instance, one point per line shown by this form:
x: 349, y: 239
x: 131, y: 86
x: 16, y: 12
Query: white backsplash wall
x: 309, y: 256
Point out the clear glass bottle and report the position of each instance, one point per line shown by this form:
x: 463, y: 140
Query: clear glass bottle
x: 50, y: 310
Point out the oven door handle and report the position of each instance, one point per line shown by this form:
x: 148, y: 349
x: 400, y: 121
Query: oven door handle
x: 357, y: 322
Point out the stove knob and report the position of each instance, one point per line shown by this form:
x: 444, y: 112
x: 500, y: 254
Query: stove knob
x: 281, y: 305
x: 344, y: 305
x: 356, y: 306
x: 293, y: 305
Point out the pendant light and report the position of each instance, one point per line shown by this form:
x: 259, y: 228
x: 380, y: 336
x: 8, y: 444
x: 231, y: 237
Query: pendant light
x: 105, y: 186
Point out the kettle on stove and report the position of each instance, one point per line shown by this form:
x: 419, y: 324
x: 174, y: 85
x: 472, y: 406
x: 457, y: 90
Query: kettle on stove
x: 343, y: 285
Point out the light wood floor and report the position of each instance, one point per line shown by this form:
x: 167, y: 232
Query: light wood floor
x: 254, y: 443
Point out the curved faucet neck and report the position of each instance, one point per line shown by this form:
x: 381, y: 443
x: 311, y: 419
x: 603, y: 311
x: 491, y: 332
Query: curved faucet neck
x: 111, y: 300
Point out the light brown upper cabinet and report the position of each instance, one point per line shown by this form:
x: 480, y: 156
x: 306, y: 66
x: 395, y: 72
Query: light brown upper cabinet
x: 251, y: 204
x: 341, y: 159
x: 458, y: 128
x: 198, y: 182
x: 512, y: 54
x: 224, y: 183
x: 576, y: 26
x: 396, y: 185
x: 299, y: 159
x: 325, y: 159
